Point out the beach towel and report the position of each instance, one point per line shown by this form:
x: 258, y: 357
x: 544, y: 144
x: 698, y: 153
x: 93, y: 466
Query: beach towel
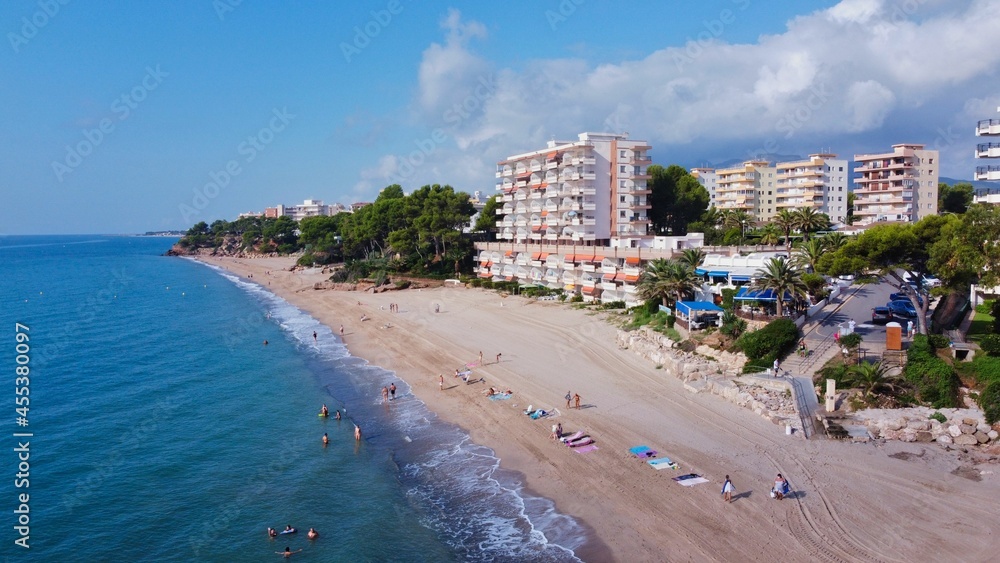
x: 581, y: 442
x: 499, y: 397
x: 538, y: 414
x: 585, y: 449
x: 572, y: 437
x: 662, y: 463
x: 472, y: 365
x: 690, y: 479
x: 642, y: 451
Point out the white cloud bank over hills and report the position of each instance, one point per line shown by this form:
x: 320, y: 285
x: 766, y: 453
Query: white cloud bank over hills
x: 858, y: 76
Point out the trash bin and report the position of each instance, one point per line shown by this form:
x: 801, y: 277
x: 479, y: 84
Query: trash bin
x: 788, y: 430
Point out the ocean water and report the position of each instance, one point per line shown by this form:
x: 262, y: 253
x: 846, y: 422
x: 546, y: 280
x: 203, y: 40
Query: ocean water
x: 162, y: 429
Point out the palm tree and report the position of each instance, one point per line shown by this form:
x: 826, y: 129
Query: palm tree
x: 737, y: 219
x: 769, y: 234
x: 808, y: 220
x: 834, y: 241
x: 665, y: 279
x: 779, y: 276
x: 874, y: 379
x: 692, y: 257
x: 785, y: 220
x: 808, y: 254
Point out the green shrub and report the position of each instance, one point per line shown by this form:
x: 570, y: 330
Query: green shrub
x: 838, y: 373
x: 851, y: 341
x: 613, y: 305
x: 990, y: 343
x: 476, y: 282
x: 727, y: 297
x: 989, y: 401
x: 306, y: 259
x: 934, y: 380
x: 986, y: 369
x: 671, y: 319
x: 403, y: 284
x: 938, y: 341
x: 578, y: 298
x: 652, y: 305
x: 562, y: 297
x: 814, y: 283
x: 938, y: 417
x: 775, y: 340
x: 986, y: 307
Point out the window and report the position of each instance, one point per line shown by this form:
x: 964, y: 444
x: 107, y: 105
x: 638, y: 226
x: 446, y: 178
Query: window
x: 621, y: 169
x: 840, y: 198
x: 930, y: 161
x: 622, y: 215
x: 840, y: 169
x: 623, y: 154
x: 621, y: 199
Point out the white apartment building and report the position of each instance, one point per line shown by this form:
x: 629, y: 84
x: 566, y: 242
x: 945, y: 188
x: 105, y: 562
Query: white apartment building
x: 588, y: 191
x: 749, y: 187
x: 896, y: 186
x: 709, y: 180
x: 308, y: 208
x: 988, y: 128
x: 819, y: 182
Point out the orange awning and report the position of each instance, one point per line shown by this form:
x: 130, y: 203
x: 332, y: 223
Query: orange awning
x: 484, y: 274
x: 552, y: 154
x: 588, y: 290
x: 536, y: 229
x: 543, y: 256
x: 536, y: 255
x: 609, y: 277
x: 545, y: 213
x: 508, y: 278
x: 619, y: 277
x: 598, y: 258
x: 631, y: 279
x: 631, y: 260
x: 509, y: 253
x: 585, y: 257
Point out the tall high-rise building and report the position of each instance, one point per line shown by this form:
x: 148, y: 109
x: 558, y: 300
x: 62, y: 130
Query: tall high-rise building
x: 709, y: 180
x: 747, y: 187
x: 588, y: 191
x: 819, y: 183
x: 901, y: 185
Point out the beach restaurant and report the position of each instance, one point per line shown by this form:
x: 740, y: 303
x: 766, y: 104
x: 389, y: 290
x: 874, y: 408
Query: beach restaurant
x: 695, y: 315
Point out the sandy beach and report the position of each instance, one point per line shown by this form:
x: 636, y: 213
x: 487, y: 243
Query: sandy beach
x: 852, y: 502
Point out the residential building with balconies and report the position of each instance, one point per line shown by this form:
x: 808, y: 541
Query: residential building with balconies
x: 587, y: 191
x: 709, y: 180
x: 989, y: 128
x: 820, y: 183
x: 747, y: 187
x: 901, y: 185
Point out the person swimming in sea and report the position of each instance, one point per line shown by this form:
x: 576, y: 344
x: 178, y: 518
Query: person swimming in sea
x: 288, y: 552
x: 337, y: 415
x: 289, y: 530
x: 326, y: 439
x: 313, y: 534
x: 323, y: 411
x: 272, y: 533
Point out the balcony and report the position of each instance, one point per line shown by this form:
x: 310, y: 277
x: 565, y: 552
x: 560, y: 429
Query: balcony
x: 988, y: 173
x: 988, y: 150
x: 988, y: 127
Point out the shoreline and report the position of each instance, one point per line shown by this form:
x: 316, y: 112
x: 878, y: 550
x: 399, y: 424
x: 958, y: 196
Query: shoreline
x: 631, y: 511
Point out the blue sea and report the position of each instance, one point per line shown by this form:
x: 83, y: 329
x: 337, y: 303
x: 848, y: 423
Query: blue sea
x: 162, y: 429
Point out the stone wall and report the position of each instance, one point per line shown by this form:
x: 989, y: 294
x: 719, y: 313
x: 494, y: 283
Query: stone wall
x: 714, y: 371
x: 964, y: 427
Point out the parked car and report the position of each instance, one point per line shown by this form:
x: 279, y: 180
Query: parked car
x: 902, y: 309
x: 881, y: 315
x: 931, y: 281
x: 905, y: 297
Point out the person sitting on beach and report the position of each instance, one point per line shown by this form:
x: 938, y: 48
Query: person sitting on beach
x: 288, y: 552
x: 272, y: 533
x: 780, y: 487
x: 491, y: 392
x: 313, y: 534
x: 508, y: 392
x: 364, y: 318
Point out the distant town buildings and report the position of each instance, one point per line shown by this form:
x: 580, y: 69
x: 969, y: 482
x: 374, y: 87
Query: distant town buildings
x: 308, y: 208
x: 590, y: 191
x: 901, y: 185
x: 709, y: 180
x: 989, y: 128
x: 820, y: 183
x: 748, y: 187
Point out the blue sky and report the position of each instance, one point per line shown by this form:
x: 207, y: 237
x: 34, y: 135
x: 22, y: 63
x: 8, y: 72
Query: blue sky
x: 118, y: 117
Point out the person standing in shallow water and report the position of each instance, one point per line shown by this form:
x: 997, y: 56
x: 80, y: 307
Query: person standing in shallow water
x: 392, y: 392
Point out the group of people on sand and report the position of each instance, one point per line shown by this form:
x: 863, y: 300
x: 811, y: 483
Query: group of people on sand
x: 779, y: 491
x: 575, y: 397
x: 494, y: 391
x: 272, y: 533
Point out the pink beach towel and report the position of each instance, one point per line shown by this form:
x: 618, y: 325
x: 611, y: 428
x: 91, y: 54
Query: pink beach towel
x: 581, y: 442
x: 575, y: 436
x: 585, y: 449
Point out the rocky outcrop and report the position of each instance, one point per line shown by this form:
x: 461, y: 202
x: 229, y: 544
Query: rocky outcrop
x: 962, y: 427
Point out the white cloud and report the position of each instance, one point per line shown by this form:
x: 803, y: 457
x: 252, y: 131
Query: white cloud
x: 859, y: 68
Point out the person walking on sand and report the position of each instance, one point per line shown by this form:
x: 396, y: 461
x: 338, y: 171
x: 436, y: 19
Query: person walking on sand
x: 440, y: 382
x: 341, y: 331
x: 569, y: 397
x: 480, y: 357
x: 576, y: 400
x: 727, y: 490
x: 498, y: 357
